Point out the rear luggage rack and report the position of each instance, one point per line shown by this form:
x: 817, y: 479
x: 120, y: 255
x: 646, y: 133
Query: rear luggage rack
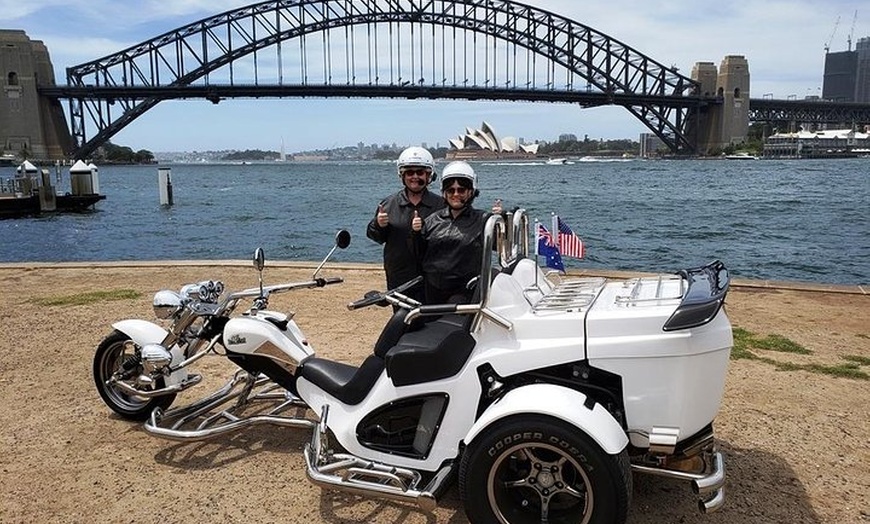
x: 571, y: 295
x: 641, y: 293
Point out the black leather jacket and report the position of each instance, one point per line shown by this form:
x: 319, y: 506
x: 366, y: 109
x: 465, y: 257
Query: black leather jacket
x: 401, y: 258
x: 452, y: 250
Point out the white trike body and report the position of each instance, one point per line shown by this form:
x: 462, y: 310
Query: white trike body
x: 636, y: 367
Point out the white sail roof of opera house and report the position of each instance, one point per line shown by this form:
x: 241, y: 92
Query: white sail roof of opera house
x: 485, y: 138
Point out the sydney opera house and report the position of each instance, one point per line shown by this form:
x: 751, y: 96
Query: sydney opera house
x: 479, y: 144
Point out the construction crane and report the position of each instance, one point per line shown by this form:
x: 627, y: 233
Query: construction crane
x: 831, y: 38
x: 851, y: 31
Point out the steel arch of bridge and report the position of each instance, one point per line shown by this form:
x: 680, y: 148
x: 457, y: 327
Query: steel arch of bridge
x: 459, y: 49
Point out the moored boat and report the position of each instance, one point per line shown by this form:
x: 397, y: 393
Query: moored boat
x: 30, y: 192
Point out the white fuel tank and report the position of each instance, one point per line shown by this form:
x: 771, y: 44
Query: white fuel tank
x: 261, y: 336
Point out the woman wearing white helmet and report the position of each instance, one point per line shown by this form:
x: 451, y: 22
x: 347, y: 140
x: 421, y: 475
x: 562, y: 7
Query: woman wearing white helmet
x: 451, y: 240
x: 391, y: 225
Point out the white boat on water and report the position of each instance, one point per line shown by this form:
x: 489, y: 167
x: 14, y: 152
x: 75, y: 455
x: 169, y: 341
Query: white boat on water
x: 741, y: 155
x: 557, y: 161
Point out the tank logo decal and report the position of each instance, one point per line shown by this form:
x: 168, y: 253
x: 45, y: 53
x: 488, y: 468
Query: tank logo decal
x: 236, y: 339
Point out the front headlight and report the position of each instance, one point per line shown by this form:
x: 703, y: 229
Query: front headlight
x: 166, y: 304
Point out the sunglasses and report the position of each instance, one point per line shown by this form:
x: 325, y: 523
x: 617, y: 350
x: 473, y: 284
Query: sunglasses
x: 418, y: 172
x: 457, y: 190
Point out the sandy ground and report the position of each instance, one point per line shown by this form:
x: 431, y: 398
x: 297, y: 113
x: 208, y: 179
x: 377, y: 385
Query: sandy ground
x: 797, y: 443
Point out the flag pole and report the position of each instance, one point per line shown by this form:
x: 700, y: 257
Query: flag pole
x: 537, y: 252
x: 555, y: 231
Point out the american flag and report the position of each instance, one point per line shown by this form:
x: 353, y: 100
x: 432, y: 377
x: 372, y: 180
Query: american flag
x: 570, y: 244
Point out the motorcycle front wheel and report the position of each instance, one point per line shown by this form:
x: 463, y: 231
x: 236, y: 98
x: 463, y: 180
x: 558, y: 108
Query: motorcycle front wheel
x: 531, y: 468
x: 112, y: 353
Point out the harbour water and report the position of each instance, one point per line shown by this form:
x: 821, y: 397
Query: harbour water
x: 797, y: 220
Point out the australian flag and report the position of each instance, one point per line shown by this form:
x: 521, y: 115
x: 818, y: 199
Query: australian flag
x: 548, y: 249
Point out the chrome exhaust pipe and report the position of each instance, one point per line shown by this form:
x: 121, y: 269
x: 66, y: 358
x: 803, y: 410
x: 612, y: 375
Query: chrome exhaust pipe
x: 713, y: 481
x: 702, y: 484
x: 714, y: 503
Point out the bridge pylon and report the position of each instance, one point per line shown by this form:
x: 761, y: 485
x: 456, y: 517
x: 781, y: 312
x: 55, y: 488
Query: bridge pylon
x: 31, y: 125
x: 727, y: 123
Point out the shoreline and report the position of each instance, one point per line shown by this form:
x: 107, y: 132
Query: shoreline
x: 854, y: 289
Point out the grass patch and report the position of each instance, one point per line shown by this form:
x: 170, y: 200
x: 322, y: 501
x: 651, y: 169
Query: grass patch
x: 781, y: 344
x: 91, y: 297
x: 745, y: 342
x: 858, y: 359
x: 847, y: 370
x: 742, y: 342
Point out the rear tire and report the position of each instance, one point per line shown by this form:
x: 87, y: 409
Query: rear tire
x: 534, y: 468
x: 113, y: 351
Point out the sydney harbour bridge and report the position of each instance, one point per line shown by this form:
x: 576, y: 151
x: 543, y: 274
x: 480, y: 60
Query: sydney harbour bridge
x: 410, y: 49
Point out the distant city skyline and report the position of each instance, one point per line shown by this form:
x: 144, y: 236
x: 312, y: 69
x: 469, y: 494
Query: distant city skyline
x: 784, y: 42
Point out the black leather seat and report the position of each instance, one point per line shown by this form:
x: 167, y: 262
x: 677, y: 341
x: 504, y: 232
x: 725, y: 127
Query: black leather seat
x: 428, y: 351
x: 351, y: 384
x: 436, y: 351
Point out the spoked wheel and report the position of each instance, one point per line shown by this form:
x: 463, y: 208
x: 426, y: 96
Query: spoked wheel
x: 112, y: 353
x: 532, y: 469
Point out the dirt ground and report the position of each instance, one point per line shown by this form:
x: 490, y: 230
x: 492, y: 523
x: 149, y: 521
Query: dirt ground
x: 796, y: 443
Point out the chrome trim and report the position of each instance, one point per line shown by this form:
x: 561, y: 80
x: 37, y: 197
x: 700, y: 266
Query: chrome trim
x: 663, y: 440
x: 188, y: 382
x: 351, y: 474
x: 205, y: 418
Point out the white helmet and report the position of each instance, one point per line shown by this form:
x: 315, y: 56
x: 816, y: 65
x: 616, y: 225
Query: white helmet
x: 416, y: 157
x: 458, y: 169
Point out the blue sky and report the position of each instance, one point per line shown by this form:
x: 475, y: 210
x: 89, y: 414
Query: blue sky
x: 783, y: 41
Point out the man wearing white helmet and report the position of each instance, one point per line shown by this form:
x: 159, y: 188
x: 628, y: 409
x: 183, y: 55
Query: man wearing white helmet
x: 451, y: 240
x: 391, y: 225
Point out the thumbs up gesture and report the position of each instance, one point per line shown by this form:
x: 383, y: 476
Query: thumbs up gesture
x: 383, y: 218
x: 497, y: 208
x: 416, y: 222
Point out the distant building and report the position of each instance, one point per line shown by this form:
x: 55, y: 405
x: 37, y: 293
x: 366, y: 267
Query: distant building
x: 862, y: 76
x: 847, y: 74
x: 832, y: 143
x: 484, y: 144
x: 651, y: 145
